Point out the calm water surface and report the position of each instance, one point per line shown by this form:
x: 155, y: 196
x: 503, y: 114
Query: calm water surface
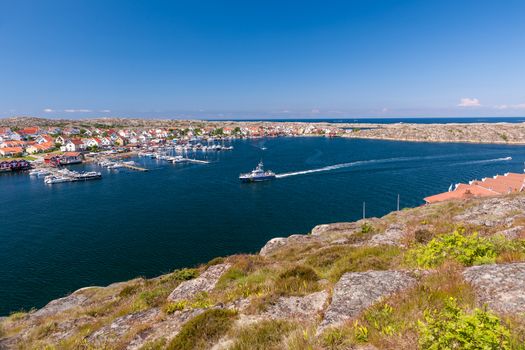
x: 56, y: 239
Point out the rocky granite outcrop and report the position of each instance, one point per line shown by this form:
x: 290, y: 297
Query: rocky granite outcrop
x: 167, y: 328
x: 119, y: 327
x: 393, y: 235
x: 356, y: 291
x: 272, y: 245
x: 494, y: 212
x: 501, y: 287
x: 306, y: 307
x: 340, y: 227
x: 204, y: 283
x: 63, y: 304
x: 275, y: 244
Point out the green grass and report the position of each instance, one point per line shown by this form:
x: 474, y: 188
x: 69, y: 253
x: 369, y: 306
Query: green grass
x: 332, y: 263
x: 264, y: 335
x: 203, y: 330
x: 159, y: 344
x: 298, y: 280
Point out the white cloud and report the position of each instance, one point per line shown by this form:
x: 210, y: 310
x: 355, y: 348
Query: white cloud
x: 77, y: 110
x: 105, y: 111
x: 384, y: 110
x: 469, y: 102
x: 517, y: 106
x: 48, y: 110
x: 315, y: 111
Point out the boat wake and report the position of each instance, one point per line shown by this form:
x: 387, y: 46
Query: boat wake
x: 483, y: 161
x: 347, y: 165
x: 386, y: 160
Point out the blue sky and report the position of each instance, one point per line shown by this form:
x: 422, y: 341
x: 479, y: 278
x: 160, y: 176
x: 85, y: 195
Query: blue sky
x: 250, y: 59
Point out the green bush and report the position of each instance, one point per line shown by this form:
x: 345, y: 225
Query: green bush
x: 452, y: 328
x: 367, y: 228
x: 176, y: 306
x: 152, y: 297
x: 184, y: 274
x: 467, y: 250
x: 203, y: 330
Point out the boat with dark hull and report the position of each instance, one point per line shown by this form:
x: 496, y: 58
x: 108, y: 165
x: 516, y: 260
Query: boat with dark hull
x: 258, y: 174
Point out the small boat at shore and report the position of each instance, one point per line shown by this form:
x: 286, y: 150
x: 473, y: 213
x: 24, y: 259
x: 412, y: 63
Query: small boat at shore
x: 258, y: 174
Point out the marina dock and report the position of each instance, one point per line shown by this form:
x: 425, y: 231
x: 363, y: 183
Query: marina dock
x: 133, y: 167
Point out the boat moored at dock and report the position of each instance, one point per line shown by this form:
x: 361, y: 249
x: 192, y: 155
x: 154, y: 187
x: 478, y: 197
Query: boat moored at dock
x: 71, y: 176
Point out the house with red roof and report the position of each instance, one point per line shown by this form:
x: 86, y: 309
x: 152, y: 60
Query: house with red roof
x: 11, y: 151
x: 488, y: 187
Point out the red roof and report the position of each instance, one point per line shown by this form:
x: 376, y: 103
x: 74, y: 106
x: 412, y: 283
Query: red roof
x: 488, y: 187
x: 71, y: 154
x: 11, y: 150
x: 29, y: 131
x: 77, y: 141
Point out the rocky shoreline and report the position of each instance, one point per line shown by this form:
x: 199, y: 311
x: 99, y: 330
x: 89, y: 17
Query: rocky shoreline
x: 484, y: 133
x: 302, y: 291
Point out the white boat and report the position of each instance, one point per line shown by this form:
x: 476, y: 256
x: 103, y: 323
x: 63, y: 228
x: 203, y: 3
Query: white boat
x: 52, y: 179
x: 258, y: 174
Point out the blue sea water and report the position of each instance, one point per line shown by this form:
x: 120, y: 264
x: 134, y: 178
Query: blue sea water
x: 55, y: 239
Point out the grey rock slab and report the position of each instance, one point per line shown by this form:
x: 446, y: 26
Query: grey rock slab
x: 512, y: 233
x: 122, y: 325
x: 393, y: 235
x: 501, y: 286
x: 168, y: 328
x: 204, y: 283
x: 60, y: 305
x: 298, y: 307
x: 343, y: 227
x: 356, y: 291
x: 272, y: 245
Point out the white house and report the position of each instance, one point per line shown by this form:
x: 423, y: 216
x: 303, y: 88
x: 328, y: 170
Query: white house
x: 92, y: 142
x: 61, y: 140
x: 75, y: 145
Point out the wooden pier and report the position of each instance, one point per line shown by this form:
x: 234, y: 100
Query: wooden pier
x: 133, y: 167
x: 196, y: 161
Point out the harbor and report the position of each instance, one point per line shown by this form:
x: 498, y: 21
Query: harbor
x: 53, y: 175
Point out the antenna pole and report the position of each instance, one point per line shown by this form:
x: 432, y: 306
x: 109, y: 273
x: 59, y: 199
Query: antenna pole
x: 398, y: 202
x: 364, y: 210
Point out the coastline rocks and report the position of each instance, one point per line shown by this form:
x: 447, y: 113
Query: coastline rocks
x: 167, y: 328
x: 393, y: 235
x: 275, y: 244
x: 306, y: 307
x: 493, y: 212
x: 356, y: 291
x: 63, y: 304
x: 502, y: 287
x: 204, y: 283
x: 340, y: 227
x: 513, y: 233
x: 272, y: 245
x: 122, y: 325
